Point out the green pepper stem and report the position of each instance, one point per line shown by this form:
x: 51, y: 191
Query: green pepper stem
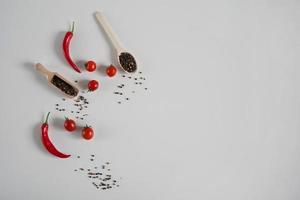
x: 46, y: 121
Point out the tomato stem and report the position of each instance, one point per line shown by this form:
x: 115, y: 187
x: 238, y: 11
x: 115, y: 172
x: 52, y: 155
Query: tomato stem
x: 46, y: 121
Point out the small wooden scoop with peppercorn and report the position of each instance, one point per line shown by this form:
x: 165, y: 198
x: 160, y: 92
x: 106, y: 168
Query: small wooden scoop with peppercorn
x: 58, y: 81
x: 125, y: 59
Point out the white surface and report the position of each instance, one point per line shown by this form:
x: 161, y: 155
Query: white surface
x: 220, y: 119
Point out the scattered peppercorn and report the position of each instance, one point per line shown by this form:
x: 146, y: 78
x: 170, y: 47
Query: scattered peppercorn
x: 101, y: 179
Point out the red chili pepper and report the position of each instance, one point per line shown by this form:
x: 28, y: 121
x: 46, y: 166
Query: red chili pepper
x: 66, y: 45
x: 47, y: 143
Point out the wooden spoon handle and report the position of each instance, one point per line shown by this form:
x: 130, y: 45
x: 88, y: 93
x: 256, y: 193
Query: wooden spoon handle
x: 40, y: 68
x: 108, y: 30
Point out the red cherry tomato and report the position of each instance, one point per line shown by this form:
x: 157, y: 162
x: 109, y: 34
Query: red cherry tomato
x: 87, y: 133
x: 111, y: 70
x: 93, y: 85
x: 90, y: 66
x: 70, y: 125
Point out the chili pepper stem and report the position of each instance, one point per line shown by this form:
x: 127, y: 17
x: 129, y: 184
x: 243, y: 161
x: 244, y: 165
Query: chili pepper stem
x: 46, y: 121
x: 72, y: 29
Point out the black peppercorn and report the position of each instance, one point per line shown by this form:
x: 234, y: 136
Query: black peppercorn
x: 127, y: 62
x: 64, y: 86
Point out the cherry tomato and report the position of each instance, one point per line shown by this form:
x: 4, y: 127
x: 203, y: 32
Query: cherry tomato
x: 111, y: 70
x: 70, y: 125
x: 90, y: 66
x: 93, y: 85
x: 87, y: 133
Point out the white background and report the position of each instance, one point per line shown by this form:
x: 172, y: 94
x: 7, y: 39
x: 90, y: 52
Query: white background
x: 221, y: 118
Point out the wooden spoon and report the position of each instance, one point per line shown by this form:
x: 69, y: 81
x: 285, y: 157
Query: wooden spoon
x: 126, y: 60
x: 58, y: 81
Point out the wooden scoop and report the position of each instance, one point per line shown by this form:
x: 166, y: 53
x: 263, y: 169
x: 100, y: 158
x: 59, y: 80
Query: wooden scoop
x: 126, y: 60
x: 58, y: 81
